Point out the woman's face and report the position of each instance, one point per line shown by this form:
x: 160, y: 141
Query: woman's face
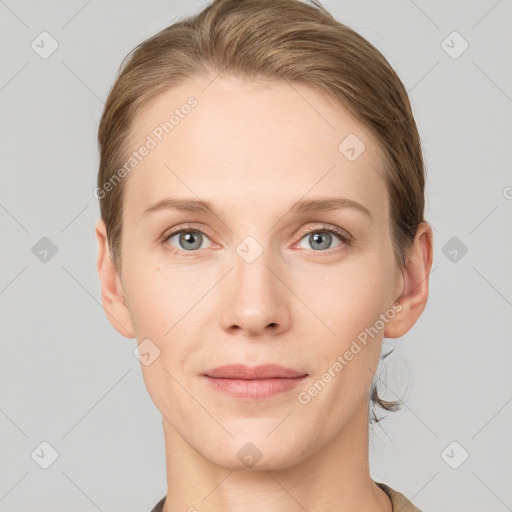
x: 262, y: 280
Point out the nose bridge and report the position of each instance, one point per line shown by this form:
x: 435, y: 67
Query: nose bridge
x: 252, y: 276
x: 257, y: 298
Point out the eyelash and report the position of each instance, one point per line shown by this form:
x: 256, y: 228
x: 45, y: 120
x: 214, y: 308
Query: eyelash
x: 344, y: 237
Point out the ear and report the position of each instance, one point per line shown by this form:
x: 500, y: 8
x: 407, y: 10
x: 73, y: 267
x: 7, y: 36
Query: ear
x: 415, y: 276
x: 112, y: 295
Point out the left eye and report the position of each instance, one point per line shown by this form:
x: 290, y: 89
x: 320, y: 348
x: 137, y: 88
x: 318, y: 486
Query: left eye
x: 321, y: 239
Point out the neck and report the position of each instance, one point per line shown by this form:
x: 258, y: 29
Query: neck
x: 333, y: 479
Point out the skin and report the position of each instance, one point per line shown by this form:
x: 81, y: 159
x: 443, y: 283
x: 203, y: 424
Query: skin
x: 253, y: 149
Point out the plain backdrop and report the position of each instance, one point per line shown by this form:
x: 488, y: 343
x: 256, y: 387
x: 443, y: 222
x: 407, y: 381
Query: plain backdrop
x: 68, y: 379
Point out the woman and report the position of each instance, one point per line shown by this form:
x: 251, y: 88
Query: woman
x: 261, y: 188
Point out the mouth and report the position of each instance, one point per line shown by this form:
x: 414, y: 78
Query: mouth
x: 255, y: 383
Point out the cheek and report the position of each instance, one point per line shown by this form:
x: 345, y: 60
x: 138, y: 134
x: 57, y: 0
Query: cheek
x: 346, y: 299
x: 157, y: 297
x: 162, y: 310
x: 166, y: 307
x: 349, y: 302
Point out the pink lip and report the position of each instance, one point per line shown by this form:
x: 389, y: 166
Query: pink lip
x: 255, y: 383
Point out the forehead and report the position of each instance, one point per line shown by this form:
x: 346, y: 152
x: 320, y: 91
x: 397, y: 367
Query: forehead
x: 252, y: 142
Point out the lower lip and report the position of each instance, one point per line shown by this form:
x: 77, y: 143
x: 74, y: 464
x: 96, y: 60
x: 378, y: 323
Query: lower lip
x: 256, y: 389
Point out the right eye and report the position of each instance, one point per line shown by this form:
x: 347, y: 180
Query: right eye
x: 187, y: 240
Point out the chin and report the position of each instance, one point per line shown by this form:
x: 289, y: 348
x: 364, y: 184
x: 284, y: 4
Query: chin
x: 255, y: 459
x: 253, y: 449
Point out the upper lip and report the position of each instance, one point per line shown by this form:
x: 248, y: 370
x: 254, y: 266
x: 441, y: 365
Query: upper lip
x: 264, y: 371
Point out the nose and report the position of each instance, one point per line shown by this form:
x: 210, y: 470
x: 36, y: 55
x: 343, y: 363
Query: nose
x: 256, y: 300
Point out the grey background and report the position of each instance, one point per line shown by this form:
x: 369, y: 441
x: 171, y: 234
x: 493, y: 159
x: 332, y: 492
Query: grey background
x: 68, y: 378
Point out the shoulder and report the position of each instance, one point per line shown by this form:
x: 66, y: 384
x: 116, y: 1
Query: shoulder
x: 399, y: 501
x: 159, y: 506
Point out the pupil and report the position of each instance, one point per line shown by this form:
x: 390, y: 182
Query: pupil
x: 317, y: 238
x: 189, y: 239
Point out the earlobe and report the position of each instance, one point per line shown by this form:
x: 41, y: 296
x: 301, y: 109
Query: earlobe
x: 416, y: 283
x: 112, y: 294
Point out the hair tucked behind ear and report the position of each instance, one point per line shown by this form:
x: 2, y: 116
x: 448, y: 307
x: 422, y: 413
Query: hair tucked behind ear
x: 377, y: 401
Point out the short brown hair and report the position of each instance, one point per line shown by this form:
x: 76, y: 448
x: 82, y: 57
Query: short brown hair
x: 276, y: 40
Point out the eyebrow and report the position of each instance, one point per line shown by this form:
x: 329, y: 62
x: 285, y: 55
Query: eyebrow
x: 302, y: 206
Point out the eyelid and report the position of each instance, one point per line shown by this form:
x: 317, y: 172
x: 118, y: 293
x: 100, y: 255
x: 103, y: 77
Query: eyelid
x: 179, y: 228
x: 343, y: 234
